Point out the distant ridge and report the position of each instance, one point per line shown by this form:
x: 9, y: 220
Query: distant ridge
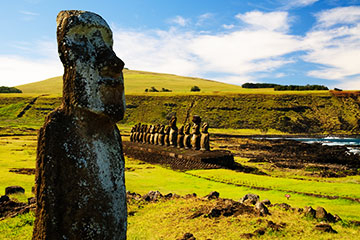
x: 137, y: 81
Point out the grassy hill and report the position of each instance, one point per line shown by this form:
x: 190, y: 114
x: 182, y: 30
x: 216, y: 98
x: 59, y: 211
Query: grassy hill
x: 137, y: 81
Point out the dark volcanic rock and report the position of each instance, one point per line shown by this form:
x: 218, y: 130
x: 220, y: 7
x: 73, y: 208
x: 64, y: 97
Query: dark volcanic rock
x: 212, y: 195
x: 263, y: 210
x: 188, y: 236
x: 9, y: 208
x: 4, y: 198
x: 251, y: 198
x: 152, y: 196
x: 309, y: 212
x: 80, y: 188
x: 14, y: 189
x: 325, y: 227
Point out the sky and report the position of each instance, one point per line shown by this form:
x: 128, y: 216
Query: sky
x: 234, y: 41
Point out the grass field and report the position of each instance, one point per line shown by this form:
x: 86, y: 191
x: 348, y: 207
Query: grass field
x: 157, y: 220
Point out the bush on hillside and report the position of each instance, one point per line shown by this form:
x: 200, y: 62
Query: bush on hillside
x: 259, y: 85
x: 4, y: 89
x: 299, y: 88
x: 195, y: 89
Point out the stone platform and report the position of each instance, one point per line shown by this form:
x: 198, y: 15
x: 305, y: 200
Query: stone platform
x: 180, y: 159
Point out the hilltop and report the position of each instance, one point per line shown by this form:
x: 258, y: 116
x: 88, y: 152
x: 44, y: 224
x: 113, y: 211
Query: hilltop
x: 137, y: 81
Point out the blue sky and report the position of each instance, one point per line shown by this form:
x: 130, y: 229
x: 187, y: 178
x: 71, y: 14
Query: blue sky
x: 234, y: 41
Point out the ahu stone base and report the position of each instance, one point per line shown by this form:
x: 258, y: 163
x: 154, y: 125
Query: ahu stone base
x: 180, y: 159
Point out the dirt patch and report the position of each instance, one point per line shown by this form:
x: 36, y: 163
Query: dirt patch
x: 26, y: 171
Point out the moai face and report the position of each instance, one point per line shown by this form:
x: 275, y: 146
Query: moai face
x: 93, y: 78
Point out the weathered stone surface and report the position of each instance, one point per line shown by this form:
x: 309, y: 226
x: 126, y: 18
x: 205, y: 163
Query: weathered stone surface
x: 266, y: 202
x: 180, y: 138
x: 80, y: 189
x: 14, y: 189
x: 161, y: 135
x: 173, y: 131
x: 309, y: 212
x: 212, y: 195
x: 325, y: 227
x: 204, y: 139
x: 188, y: 236
x: 187, y: 136
x: 263, y: 210
x: 252, y: 198
x: 166, y: 136
x: 195, y: 137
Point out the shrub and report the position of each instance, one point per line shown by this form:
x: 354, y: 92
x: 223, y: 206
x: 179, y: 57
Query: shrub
x: 4, y: 89
x: 195, y: 89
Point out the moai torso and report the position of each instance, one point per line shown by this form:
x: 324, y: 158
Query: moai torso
x: 144, y: 134
x: 204, y: 141
x: 161, y: 135
x: 157, y: 129
x: 173, y: 132
x: 132, y: 134
x: 180, y: 138
x: 152, y: 134
x: 80, y: 188
x: 166, y: 137
x: 148, y: 134
x: 195, y: 133
x: 187, y: 136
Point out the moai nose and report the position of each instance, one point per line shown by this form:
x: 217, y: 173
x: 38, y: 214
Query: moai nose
x: 111, y: 65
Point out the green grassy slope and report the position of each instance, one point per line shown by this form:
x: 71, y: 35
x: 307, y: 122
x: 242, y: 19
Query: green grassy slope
x: 138, y: 81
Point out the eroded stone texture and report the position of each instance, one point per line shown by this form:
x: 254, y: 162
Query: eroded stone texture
x: 187, y: 136
x: 205, y: 140
x: 80, y: 189
x: 173, y: 131
x: 195, y: 138
x: 180, y: 138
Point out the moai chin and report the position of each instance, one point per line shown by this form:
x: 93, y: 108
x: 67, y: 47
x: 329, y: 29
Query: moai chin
x: 204, y: 140
x: 187, y: 136
x: 80, y: 188
x: 173, y: 131
x: 195, y: 137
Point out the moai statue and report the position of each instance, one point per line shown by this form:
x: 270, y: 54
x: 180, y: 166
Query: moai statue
x: 80, y: 187
x: 173, y: 131
x: 187, y: 136
x: 204, y: 140
x: 138, y: 132
x: 180, y: 137
x: 161, y: 135
x: 148, y: 136
x: 156, y: 138
x: 166, y: 137
x: 144, y: 133
x: 132, y: 134
x: 195, y: 133
x: 152, y: 134
x: 141, y: 135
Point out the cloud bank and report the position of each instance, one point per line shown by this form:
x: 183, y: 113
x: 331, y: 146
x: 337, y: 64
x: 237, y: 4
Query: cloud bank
x: 258, y: 46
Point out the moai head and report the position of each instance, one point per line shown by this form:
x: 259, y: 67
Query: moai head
x: 196, y: 119
x: 173, y: 121
x: 187, y: 128
x: 204, y: 127
x: 93, y: 79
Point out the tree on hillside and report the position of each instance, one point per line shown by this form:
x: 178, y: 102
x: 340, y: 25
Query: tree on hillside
x: 195, y: 89
x: 4, y: 89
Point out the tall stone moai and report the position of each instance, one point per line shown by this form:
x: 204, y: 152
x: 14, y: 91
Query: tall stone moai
x: 204, y: 140
x: 132, y: 132
x: 173, y: 131
x: 80, y: 187
x: 187, y: 136
x: 157, y: 130
x: 144, y: 133
x: 180, y: 137
x: 195, y: 133
x: 148, y: 134
x: 152, y: 134
x: 167, y: 136
x: 162, y: 135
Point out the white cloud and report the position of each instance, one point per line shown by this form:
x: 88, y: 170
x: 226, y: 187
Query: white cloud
x: 335, y: 44
x: 16, y: 70
x: 341, y: 15
x: 29, y: 13
x: 230, y: 26
x: 272, y: 21
x: 203, y: 18
x: 298, y: 3
x: 179, y: 20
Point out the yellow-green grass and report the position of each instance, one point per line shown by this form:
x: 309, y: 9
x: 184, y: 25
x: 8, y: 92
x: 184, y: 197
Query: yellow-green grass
x: 137, y: 81
x: 170, y: 220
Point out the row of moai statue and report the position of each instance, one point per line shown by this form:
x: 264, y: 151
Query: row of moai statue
x: 171, y: 135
